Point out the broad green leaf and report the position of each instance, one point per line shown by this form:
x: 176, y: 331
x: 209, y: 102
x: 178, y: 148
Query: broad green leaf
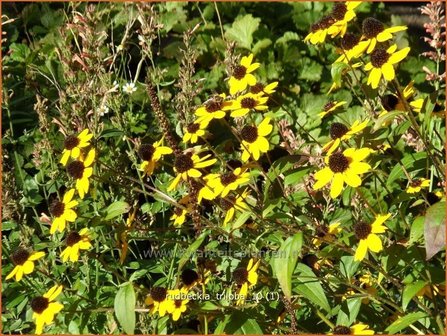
x: 410, y: 291
x: 387, y: 117
x: 417, y: 229
x: 285, y: 261
x: 241, y: 324
x: 242, y: 30
x: 308, y: 285
x: 264, y: 43
x: 348, y: 266
x: 191, y: 250
x: 434, y: 229
x: 412, y: 162
x: 337, y: 71
x: 125, y: 308
x: 348, y: 311
x: 404, y: 322
x: 115, y: 209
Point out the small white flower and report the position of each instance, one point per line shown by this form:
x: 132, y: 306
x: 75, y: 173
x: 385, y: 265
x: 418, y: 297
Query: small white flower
x: 103, y: 110
x: 129, y: 88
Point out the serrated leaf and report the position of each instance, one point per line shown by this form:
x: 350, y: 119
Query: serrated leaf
x: 285, y: 261
x: 410, y: 291
x: 125, y: 308
x: 404, y: 322
x: 242, y: 30
x: 308, y: 285
x: 434, y: 229
x: 115, y: 209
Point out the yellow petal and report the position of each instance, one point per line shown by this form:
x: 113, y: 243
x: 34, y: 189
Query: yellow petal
x: 28, y: 267
x: 374, y: 242
x: 351, y: 178
x: 13, y: 272
x: 399, y: 55
x: 323, y: 177
x: 337, y: 185
x: 65, y: 156
x: 360, y: 253
x: 374, y: 77
x: 75, y: 152
x: 388, y: 71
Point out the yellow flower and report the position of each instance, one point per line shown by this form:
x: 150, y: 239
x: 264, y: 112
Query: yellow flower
x: 417, y: 185
x: 44, y: 308
x: 428, y: 291
x: 326, y: 233
x: 187, y: 165
x: 192, y: 132
x: 343, y: 168
x: 214, y: 108
x: 223, y: 184
x: 382, y: 64
x: 189, y: 278
x: 392, y: 102
x: 367, y: 282
x: 63, y: 212
x: 151, y: 154
x: 202, y: 189
x: 24, y: 263
x: 247, y: 102
x: 232, y: 203
x: 374, y: 31
x: 342, y: 13
x: 242, y: 75
x: 179, y: 215
x: 245, y: 278
x: 330, y: 107
x: 260, y: 89
x: 180, y: 302
x: 73, y: 145
x: 159, y: 301
x: 76, y: 241
x: 253, y: 140
x: 319, y: 30
x: 351, y: 47
x: 339, y: 132
x: 356, y: 329
x: 367, y: 234
x: 81, y: 170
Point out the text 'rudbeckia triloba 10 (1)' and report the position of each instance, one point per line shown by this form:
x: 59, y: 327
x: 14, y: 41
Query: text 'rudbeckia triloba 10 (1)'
x: 343, y: 168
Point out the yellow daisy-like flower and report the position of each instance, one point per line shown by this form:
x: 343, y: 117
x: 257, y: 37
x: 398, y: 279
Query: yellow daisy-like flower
x: 180, y: 302
x: 342, y: 13
x: 260, y: 89
x: 159, y: 301
x: 253, y: 140
x: 202, y: 189
x: 356, y: 329
x: 232, y: 203
x: 63, y: 212
x: 416, y: 185
x: 81, y: 170
x: 223, y: 184
x: 187, y: 165
x: 326, y: 233
x: 339, y: 132
x: 330, y: 107
x: 245, y: 278
x: 367, y: 282
x: 242, y: 75
x: 367, y: 234
x: 214, y: 108
x: 193, y: 131
x: 374, y: 31
x: 24, y: 263
x: 391, y: 102
x: 351, y: 47
x: 247, y: 102
x: 179, y: 215
x: 382, y: 64
x: 74, y: 144
x: 343, y: 168
x: 319, y: 30
x: 151, y: 154
x: 75, y: 242
x: 44, y: 308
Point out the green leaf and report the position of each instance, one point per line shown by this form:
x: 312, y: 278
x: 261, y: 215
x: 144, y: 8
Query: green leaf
x: 337, y: 71
x: 295, y: 175
x: 125, y: 308
x: 412, y: 162
x: 410, y: 291
x: 115, y: 209
x: 434, y: 229
x: 387, y: 117
x: 404, y: 322
x: 309, y: 286
x: 191, y: 249
x: 285, y: 261
x: 348, y: 266
x: 264, y: 43
x: 348, y: 311
x: 240, y: 324
x: 417, y: 229
x: 242, y: 30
